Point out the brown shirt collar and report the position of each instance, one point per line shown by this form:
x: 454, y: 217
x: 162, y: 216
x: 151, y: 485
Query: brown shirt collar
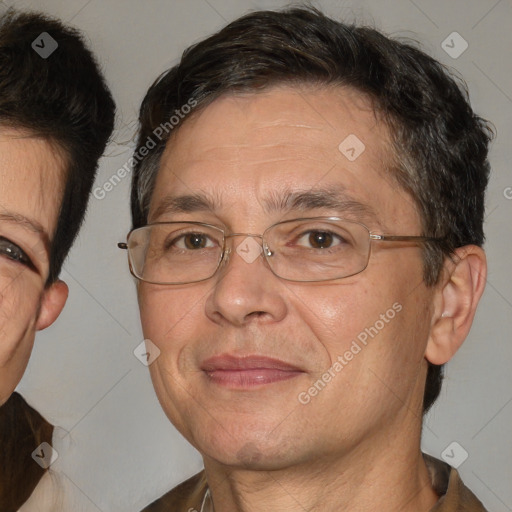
x: 454, y: 495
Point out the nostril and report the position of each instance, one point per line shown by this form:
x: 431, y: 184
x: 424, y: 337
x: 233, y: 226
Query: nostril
x: 255, y: 314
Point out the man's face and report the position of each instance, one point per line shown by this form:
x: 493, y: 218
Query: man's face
x: 240, y: 151
x: 31, y: 171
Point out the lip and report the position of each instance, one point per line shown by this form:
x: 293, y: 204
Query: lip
x: 237, y: 372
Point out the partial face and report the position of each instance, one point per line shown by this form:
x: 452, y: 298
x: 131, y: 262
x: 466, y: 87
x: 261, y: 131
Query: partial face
x: 31, y: 172
x: 264, y: 373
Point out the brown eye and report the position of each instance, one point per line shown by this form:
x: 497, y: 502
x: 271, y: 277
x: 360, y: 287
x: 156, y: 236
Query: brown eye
x: 195, y: 241
x: 320, y: 239
x: 316, y: 239
x: 190, y: 242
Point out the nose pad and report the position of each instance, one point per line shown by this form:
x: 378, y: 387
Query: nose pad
x: 226, y: 257
x: 223, y: 262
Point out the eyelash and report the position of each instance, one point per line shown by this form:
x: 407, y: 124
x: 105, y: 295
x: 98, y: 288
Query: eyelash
x: 14, y: 253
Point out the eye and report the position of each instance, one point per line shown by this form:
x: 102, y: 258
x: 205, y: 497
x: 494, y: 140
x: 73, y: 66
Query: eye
x: 13, y: 252
x: 190, y: 241
x: 320, y: 239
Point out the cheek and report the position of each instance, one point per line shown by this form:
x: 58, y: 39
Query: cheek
x: 169, y: 315
x: 15, y: 302
x: 384, y: 325
x: 19, y: 301
x: 338, y: 314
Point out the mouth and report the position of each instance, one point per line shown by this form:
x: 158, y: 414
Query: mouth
x: 236, y: 372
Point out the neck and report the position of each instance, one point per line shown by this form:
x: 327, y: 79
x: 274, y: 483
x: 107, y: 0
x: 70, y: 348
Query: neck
x: 388, y: 478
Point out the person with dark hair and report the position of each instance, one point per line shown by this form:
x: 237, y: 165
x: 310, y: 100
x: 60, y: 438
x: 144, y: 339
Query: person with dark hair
x: 56, y: 116
x: 307, y: 242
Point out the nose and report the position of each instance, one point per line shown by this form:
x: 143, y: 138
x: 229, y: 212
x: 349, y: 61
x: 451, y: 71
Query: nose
x: 245, y: 288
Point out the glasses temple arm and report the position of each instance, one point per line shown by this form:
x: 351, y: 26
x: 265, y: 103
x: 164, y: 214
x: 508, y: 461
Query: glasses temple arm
x: 404, y: 238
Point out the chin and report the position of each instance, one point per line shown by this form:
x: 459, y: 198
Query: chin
x: 253, y: 450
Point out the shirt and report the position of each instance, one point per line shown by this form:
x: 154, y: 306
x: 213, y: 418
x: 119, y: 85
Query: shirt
x: 193, y: 494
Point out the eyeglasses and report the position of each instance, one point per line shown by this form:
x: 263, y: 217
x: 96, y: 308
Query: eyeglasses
x: 305, y: 250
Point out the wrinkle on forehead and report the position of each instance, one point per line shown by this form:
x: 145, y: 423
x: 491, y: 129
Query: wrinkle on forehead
x: 263, y: 127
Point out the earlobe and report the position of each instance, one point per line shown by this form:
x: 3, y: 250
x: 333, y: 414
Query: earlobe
x: 455, y: 303
x: 53, y: 301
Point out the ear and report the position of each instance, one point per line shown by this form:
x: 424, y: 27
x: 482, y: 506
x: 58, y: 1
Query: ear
x: 53, y: 301
x: 455, y: 302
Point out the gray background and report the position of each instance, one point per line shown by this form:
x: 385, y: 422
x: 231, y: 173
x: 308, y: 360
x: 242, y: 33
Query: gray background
x: 121, y: 452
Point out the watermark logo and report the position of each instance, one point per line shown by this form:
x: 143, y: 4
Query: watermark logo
x: 45, y: 455
x: 454, y: 45
x: 146, y: 352
x: 44, y: 45
x: 143, y: 151
x: 249, y: 249
x: 454, y: 454
x: 352, y: 147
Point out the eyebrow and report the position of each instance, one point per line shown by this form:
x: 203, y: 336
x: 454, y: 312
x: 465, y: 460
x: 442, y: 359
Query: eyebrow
x: 26, y: 223
x: 332, y: 197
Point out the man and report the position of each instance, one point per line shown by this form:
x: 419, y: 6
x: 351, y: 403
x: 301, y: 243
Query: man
x: 307, y: 239
x: 56, y: 115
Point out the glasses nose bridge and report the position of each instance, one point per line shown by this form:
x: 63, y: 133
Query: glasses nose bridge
x: 243, y: 234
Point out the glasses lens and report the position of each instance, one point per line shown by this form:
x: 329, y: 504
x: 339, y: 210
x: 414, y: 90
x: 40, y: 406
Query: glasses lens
x: 175, y: 253
x: 318, y: 250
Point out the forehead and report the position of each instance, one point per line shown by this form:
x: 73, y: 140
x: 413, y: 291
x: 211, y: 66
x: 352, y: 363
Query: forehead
x: 265, y: 124
x: 31, y: 173
x: 251, y: 146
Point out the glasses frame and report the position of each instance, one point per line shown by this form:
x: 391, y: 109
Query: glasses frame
x: 267, y: 253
